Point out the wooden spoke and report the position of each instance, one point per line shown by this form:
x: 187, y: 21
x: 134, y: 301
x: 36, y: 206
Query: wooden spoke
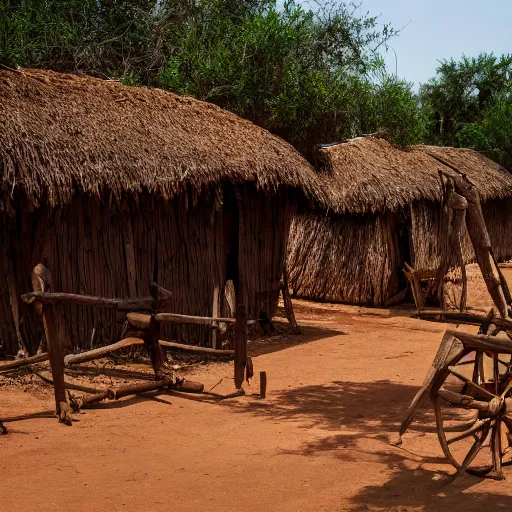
x: 478, y: 370
x: 472, y: 383
x: 479, y: 425
x: 496, y: 449
x: 496, y: 370
x: 473, y: 452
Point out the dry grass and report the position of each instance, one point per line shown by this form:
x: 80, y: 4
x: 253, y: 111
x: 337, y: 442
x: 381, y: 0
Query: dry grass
x: 351, y: 259
x: 63, y: 133
x: 367, y: 175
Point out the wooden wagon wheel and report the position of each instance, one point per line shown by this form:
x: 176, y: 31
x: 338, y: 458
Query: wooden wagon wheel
x: 474, y: 415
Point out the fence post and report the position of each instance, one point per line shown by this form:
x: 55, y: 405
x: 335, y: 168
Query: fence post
x: 240, y: 344
x: 42, y: 281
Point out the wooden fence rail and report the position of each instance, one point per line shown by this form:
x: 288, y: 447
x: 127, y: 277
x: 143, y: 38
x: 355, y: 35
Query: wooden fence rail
x: 146, y: 328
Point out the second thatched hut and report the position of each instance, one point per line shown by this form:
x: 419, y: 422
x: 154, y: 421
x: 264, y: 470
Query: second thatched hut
x: 384, y: 211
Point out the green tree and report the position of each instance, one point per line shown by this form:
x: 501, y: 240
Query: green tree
x: 309, y: 76
x: 469, y: 104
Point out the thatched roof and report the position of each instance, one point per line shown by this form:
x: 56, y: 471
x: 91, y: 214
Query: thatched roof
x: 61, y: 133
x: 369, y: 174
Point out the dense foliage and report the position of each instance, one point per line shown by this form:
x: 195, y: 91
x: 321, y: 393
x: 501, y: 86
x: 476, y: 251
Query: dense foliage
x: 470, y: 105
x: 309, y: 75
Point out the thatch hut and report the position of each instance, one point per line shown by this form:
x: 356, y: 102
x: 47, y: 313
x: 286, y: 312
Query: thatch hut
x: 384, y: 211
x: 112, y: 187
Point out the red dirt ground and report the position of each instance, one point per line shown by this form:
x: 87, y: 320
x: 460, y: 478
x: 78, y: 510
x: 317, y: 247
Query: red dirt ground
x: 317, y: 443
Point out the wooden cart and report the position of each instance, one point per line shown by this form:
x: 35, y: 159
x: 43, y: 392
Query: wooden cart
x: 470, y: 380
x: 470, y: 385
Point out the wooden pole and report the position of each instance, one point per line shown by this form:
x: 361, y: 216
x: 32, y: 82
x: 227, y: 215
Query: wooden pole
x: 19, y: 363
x: 288, y: 306
x: 263, y: 384
x: 189, y: 319
x: 100, y: 352
x: 155, y: 350
x: 55, y: 345
x: 141, y: 304
x: 215, y: 313
x: 240, y: 345
x: 479, y: 235
x: 194, y: 348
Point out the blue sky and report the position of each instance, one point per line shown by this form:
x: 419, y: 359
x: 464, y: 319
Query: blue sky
x: 440, y: 29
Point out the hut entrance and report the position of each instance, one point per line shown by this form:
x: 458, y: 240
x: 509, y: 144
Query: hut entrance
x: 231, y: 223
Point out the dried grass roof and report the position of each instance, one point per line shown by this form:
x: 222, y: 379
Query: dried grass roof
x: 61, y: 133
x: 370, y: 175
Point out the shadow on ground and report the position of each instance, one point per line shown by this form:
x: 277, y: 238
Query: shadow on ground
x: 282, y: 338
x: 430, y: 491
x: 365, y: 415
x: 368, y: 407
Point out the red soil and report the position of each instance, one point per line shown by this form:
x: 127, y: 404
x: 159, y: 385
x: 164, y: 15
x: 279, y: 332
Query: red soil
x: 317, y: 443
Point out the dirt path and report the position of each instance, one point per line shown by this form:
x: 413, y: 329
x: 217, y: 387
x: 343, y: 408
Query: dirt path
x: 317, y: 443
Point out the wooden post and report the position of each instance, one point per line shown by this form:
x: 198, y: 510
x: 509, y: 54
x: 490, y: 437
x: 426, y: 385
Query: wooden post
x: 240, y: 345
x: 215, y: 313
x: 263, y: 384
x: 479, y: 236
x: 156, y: 351
x: 453, y: 221
x: 288, y: 306
x: 43, y: 276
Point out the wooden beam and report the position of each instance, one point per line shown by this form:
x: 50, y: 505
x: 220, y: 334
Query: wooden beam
x: 482, y: 342
x: 189, y: 319
x: 55, y: 347
x: 140, y: 387
x: 143, y: 303
x: 100, y: 352
x: 466, y: 318
x: 19, y: 363
x: 193, y: 348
